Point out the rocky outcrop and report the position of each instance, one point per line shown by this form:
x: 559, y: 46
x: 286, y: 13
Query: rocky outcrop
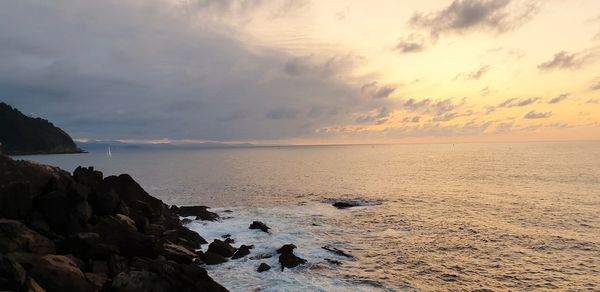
x: 263, y: 267
x: 89, y: 233
x: 21, y: 135
x: 287, y: 258
x: 201, y: 212
x: 260, y: 226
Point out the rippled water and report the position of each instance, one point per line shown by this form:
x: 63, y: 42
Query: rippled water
x: 517, y: 216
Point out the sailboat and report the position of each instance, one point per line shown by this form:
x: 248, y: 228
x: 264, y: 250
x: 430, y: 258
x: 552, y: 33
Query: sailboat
x: 108, y: 153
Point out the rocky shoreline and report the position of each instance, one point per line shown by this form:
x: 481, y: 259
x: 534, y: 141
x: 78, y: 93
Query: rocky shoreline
x: 86, y: 232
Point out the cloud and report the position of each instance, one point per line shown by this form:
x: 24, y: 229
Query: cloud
x: 414, y: 119
x: 537, y: 115
x: 153, y: 69
x: 518, y: 102
x: 596, y: 86
x: 375, y: 91
x: 377, y: 117
x: 593, y: 101
x: 477, y: 74
x: 462, y: 16
x: 412, y: 44
x: 565, y: 60
x: 558, y: 98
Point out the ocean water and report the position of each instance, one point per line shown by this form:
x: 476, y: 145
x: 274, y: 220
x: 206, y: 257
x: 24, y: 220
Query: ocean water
x: 521, y: 216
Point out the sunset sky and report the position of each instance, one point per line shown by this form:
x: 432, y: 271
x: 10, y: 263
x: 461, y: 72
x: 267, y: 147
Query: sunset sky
x: 306, y: 71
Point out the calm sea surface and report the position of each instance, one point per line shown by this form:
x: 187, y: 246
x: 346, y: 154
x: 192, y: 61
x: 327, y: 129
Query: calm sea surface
x: 517, y: 216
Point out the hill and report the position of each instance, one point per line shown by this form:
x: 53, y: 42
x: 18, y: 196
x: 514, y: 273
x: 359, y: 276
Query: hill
x: 22, y: 135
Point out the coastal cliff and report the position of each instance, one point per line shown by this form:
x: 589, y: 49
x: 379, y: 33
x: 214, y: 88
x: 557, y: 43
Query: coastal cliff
x: 22, y: 135
x: 86, y: 232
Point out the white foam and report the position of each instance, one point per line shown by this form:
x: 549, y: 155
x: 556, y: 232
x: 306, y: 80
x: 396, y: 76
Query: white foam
x: 300, y: 225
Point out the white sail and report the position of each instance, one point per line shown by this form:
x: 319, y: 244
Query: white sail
x: 108, y: 153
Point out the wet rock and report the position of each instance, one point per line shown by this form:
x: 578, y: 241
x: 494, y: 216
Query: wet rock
x: 261, y: 256
x: 12, y: 275
x: 201, y: 212
x: 221, y: 248
x: 229, y: 240
x: 288, y: 259
x: 58, y: 273
x: 345, y: 204
x: 15, y: 236
x: 263, y: 267
x: 211, y: 258
x: 178, y: 253
x: 337, y: 251
x: 259, y: 225
x: 242, y: 251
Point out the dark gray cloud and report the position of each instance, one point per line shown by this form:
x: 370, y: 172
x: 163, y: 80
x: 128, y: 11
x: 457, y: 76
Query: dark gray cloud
x: 147, y: 70
x: 414, y: 43
x: 467, y: 15
x: 377, y: 117
x: 559, y: 98
x: 518, y: 102
x: 565, y: 60
x: 537, y: 115
x: 596, y: 85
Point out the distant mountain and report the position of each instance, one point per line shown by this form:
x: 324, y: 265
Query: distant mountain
x: 22, y: 135
x: 103, y: 144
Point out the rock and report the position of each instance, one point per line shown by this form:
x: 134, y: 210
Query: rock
x: 116, y: 265
x: 82, y: 212
x: 155, y: 229
x: 178, y: 253
x: 118, y: 231
x: 125, y: 219
x: 334, y: 262
x: 15, y: 236
x: 211, y: 258
x: 345, y: 204
x: 191, y: 238
x: 259, y: 225
x: 186, y: 221
x: 185, y: 277
x: 58, y: 273
x: 79, y: 244
x: 32, y: 286
x: 79, y: 192
x: 135, y: 281
x: 288, y: 259
x: 201, y: 212
x: 242, y: 251
x: 136, y: 198
x: 263, y: 267
x: 221, y: 248
x: 87, y: 176
x: 100, y: 267
x: 337, y: 251
x: 54, y: 206
x: 12, y: 275
x: 15, y: 200
x: 229, y: 240
x: 96, y: 281
x: 39, y: 178
x: 104, y: 201
x: 261, y: 256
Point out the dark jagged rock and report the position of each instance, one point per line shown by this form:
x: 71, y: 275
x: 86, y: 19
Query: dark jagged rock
x: 229, y: 240
x: 211, y: 258
x: 16, y: 237
x: 259, y: 225
x: 263, y: 267
x: 261, y: 256
x: 221, y: 248
x: 345, y: 204
x: 201, y: 212
x: 93, y: 234
x: 288, y: 259
x: 337, y: 251
x: 242, y: 251
x: 20, y: 134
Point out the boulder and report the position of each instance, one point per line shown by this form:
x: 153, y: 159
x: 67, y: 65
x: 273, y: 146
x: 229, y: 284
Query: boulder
x: 82, y: 212
x: 178, y: 253
x: 15, y: 236
x: 211, y: 258
x: 116, y: 265
x: 104, y: 201
x: 135, y: 281
x: 96, y: 281
x: 259, y: 225
x: 201, y: 212
x: 132, y: 194
x: 40, y: 178
x: 87, y: 176
x: 346, y: 204
x: 221, y: 248
x: 15, y: 200
x: 58, y: 273
x: 118, y: 231
x: 79, y: 244
x: 263, y: 267
x: 288, y: 259
x: 191, y: 238
x: 185, y: 277
x: 242, y: 251
x: 54, y: 206
x: 261, y: 256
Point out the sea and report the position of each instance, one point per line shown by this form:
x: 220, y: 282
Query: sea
x: 432, y: 217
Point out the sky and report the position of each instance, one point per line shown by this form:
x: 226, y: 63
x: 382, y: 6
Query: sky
x: 306, y: 72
